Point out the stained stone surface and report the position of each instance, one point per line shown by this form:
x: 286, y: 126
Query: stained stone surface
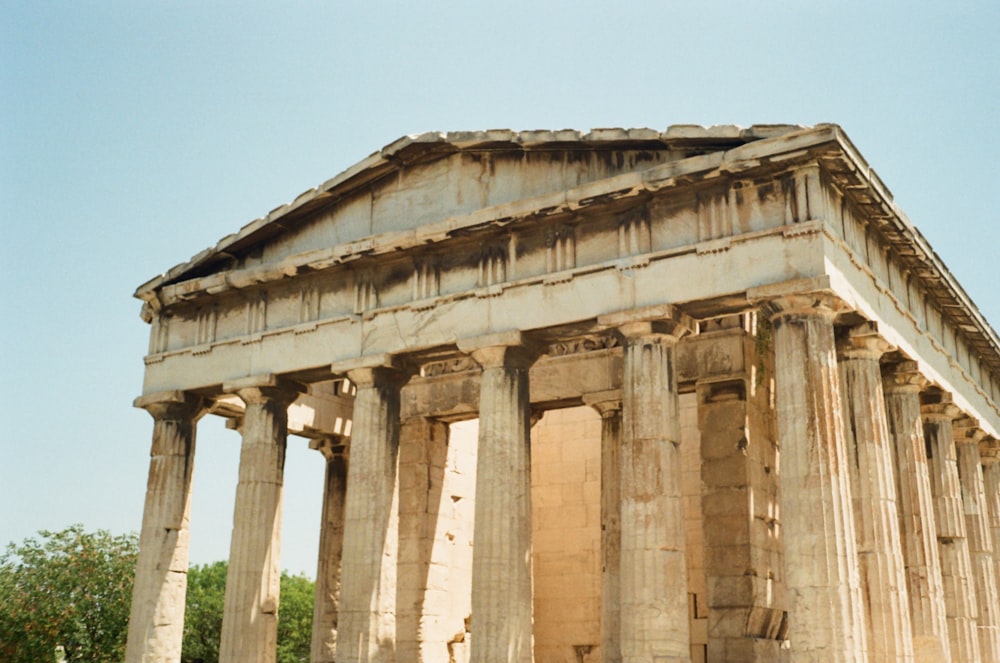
x: 778, y: 368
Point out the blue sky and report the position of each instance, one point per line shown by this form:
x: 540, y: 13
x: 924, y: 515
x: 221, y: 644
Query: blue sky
x: 135, y: 134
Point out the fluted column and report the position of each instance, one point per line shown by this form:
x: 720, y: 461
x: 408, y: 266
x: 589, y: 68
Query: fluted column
x: 873, y: 488
x: 156, y: 621
x: 654, y: 609
x: 250, y: 612
x: 953, y: 546
x: 826, y: 624
x: 367, y: 622
x: 991, y: 481
x: 609, y: 406
x: 501, y: 562
x: 970, y: 472
x: 902, y: 384
x: 331, y: 545
x: 423, y: 614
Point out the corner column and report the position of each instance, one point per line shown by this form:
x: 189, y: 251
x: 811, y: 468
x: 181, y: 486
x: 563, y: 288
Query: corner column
x: 156, y: 620
x: 609, y: 406
x: 367, y: 621
x: 902, y: 383
x: 873, y: 487
x: 250, y: 611
x: 826, y: 624
x: 331, y: 545
x: 991, y: 481
x: 501, y: 562
x: 953, y: 545
x: 981, y: 552
x: 654, y: 606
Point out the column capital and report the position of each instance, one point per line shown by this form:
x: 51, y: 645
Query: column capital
x: 166, y: 405
x: 607, y: 403
x: 903, y: 377
x: 797, y: 306
x: 256, y: 389
x: 990, y: 455
x: 374, y: 370
x: 863, y: 341
x: 938, y: 408
x: 649, y: 321
x: 330, y: 447
x: 967, y: 431
x: 508, y: 349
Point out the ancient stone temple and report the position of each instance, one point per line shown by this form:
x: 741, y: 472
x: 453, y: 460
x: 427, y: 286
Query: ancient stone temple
x: 626, y: 396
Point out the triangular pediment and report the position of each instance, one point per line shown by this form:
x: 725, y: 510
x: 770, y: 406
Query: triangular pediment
x: 430, y: 178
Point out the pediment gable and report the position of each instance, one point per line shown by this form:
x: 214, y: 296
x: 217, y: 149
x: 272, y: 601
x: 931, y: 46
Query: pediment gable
x: 429, y: 178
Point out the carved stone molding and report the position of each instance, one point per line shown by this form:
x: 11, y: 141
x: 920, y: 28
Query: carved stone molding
x: 583, y: 344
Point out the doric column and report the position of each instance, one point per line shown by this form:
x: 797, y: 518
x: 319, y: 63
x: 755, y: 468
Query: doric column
x: 991, y: 481
x: 949, y: 517
x: 873, y: 488
x: 609, y: 406
x: 367, y: 622
x: 422, y: 599
x: 501, y: 563
x: 654, y: 610
x: 970, y: 473
x: 331, y: 545
x: 156, y: 622
x: 250, y: 612
x: 745, y: 611
x: 902, y: 383
x: 826, y: 624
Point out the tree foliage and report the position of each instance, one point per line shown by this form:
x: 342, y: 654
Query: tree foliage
x: 203, y: 618
x: 70, y: 589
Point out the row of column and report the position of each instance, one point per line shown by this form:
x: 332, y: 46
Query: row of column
x: 884, y: 518
x: 879, y: 499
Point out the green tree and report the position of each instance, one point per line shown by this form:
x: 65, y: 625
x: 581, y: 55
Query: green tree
x: 70, y: 589
x: 203, y: 616
x: 295, y: 618
x: 206, y: 588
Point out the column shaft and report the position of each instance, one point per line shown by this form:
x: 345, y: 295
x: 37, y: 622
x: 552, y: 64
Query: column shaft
x: 916, y: 515
x: 744, y: 599
x: 826, y: 623
x: 331, y: 545
x: 953, y: 546
x: 981, y: 550
x: 501, y: 565
x: 423, y: 614
x: 156, y: 622
x: 873, y: 487
x: 991, y: 481
x: 367, y: 622
x: 609, y: 406
x: 654, y: 609
x: 250, y: 612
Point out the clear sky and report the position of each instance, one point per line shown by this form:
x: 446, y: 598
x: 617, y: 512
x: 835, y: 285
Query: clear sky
x: 134, y: 134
